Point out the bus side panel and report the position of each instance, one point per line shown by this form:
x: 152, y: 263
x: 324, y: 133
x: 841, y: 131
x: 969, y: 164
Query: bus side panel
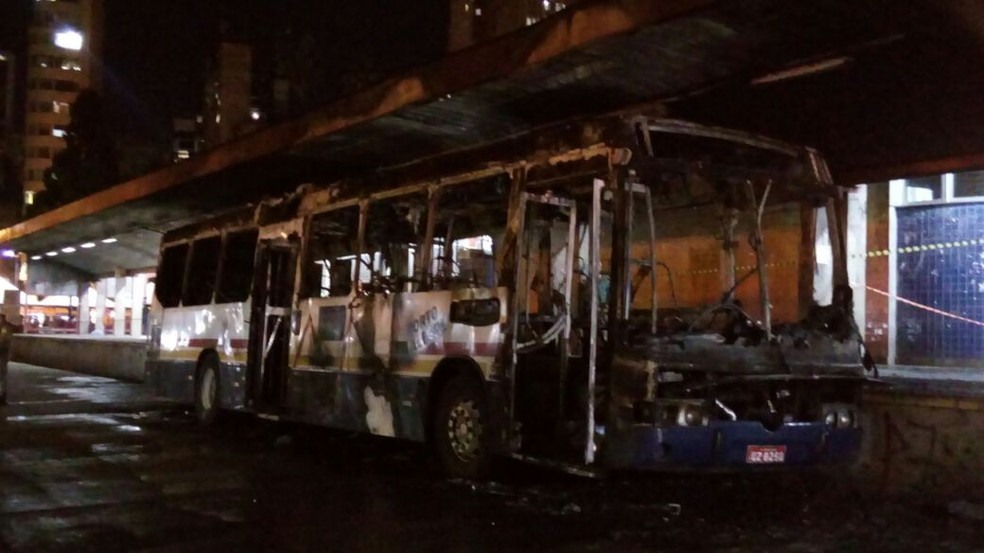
x: 424, y: 333
x: 175, y: 379
x: 360, y: 401
x: 184, y: 333
x: 172, y: 379
x: 334, y: 383
x: 328, y: 386
x: 232, y: 387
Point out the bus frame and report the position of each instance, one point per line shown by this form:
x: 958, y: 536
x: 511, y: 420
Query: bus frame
x: 430, y: 355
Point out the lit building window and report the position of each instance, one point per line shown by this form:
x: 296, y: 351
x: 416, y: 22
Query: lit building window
x: 69, y: 39
x: 60, y: 107
x: 29, y: 197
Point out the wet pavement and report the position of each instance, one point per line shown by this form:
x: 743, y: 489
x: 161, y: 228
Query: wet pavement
x: 93, y: 464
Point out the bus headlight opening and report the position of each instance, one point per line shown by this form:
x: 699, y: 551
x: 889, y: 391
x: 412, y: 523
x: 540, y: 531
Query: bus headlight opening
x: 839, y: 416
x: 690, y: 415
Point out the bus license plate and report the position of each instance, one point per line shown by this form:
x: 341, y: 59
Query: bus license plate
x: 765, y: 454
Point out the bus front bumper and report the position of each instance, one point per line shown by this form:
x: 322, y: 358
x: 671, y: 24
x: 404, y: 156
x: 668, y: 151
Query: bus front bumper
x: 739, y: 445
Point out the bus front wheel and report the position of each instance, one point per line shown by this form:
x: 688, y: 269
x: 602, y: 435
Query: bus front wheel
x: 207, y: 391
x: 460, y: 429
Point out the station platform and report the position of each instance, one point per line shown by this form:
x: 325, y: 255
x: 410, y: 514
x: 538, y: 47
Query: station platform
x: 120, y: 357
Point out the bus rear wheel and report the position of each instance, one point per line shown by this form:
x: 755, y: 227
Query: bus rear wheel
x: 207, y: 391
x: 460, y: 429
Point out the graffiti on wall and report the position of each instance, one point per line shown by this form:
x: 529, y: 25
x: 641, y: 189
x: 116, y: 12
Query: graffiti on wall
x: 926, y: 449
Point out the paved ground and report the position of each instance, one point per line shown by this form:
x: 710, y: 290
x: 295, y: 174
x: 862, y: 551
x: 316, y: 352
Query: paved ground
x: 92, y: 464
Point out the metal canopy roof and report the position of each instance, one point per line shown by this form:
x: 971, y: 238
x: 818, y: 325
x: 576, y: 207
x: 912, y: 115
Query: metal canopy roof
x: 907, y: 104
x: 590, y: 59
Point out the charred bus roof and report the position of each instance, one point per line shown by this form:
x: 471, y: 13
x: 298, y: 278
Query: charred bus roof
x: 665, y: 153
x: 692, y: 164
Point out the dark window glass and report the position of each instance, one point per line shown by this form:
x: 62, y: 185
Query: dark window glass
x: 202, y: 271
x: 66, y: 86
x: 395, y: 228
x: 330, y: 267
x: 170, y: 275
x: 236, y: 279
x: 968, y: 184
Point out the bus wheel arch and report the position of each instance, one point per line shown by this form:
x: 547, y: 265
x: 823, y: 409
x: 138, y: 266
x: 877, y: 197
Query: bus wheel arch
x: 207, y: 387
x: 447, y: 370
x: 458, y: 418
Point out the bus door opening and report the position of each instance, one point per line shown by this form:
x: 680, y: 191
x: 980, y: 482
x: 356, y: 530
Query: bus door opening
x: 547, y: 255
x: 270, y: 328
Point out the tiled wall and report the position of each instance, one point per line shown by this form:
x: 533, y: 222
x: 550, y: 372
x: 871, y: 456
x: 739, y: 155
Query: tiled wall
x: 941, y: 266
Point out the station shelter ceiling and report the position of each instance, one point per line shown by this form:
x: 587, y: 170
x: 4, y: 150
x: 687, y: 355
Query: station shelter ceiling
x: 883, y: 89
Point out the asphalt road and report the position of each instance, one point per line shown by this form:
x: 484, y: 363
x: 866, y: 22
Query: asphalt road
x: 93, y: 464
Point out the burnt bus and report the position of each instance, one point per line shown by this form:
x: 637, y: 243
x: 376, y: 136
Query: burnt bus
x: 624, y: 292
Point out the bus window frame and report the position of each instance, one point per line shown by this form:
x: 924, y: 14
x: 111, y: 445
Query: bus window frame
x: 192, y: 247
x: 438, y: 193
x: 181, y: 280
x: 223, y: 264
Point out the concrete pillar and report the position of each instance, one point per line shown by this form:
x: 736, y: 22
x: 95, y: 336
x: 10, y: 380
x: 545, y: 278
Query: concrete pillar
x: 83, y: 308
x: 120, y: 301
x: 100, y: 306
x: 857, y: 245
x: 137, y: 287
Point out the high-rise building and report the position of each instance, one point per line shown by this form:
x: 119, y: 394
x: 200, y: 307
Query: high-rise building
x: 474, y: 21
x: 186, y: 137
x: 229, y: 108
x: 7, y: 75
x: 63, y: 57
x: 9, y: 133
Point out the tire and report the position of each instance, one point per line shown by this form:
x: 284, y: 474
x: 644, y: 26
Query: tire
x: 460, y: 429
x: 207, y: 394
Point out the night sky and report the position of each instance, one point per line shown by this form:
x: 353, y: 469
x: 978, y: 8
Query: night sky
x: 156, y: 51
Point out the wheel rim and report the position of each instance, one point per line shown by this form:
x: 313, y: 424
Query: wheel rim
x: 208, y: 389
x: 465, y: 430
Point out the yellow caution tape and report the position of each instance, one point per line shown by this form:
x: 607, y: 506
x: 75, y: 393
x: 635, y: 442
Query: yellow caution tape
x: 873, y: 253
x: 922, y: 248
